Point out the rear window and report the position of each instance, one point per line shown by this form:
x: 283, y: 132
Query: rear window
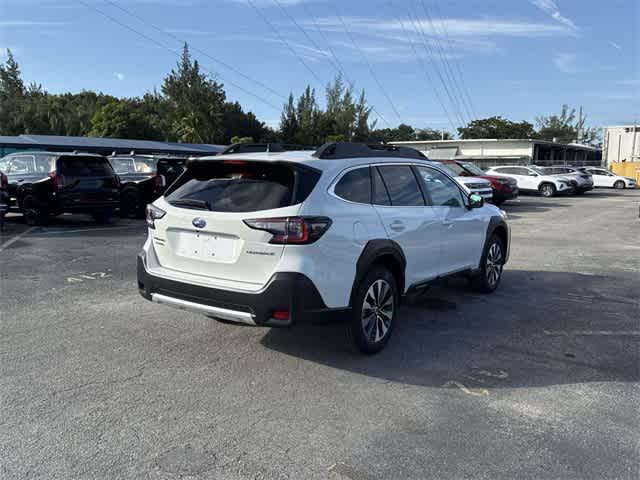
x: 241, y: 186
x: 355, y: 186
x: 84, y: 167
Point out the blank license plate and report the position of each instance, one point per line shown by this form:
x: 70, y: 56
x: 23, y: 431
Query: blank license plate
x: 206, y: 246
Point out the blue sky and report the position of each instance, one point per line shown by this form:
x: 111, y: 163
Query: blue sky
x: 515, y: 58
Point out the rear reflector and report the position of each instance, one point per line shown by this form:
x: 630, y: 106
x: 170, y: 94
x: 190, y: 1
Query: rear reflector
x: 282, y: 315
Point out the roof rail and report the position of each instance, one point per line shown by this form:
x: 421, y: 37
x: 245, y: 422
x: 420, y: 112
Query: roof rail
x: 252, y: 148
x: 353, y: 150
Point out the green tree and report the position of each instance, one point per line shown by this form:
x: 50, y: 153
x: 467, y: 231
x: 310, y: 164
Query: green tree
x: 289, y: 126
x: 431, y: 134
x: 566, y: 127
x: 198, y: 102
x: 237, y: 139
x: 497, y: 127
x: 122, y: 119
x: 12, y: 93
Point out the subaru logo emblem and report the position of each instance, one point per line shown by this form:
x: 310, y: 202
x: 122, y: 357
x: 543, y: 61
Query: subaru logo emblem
x: 199, y: 222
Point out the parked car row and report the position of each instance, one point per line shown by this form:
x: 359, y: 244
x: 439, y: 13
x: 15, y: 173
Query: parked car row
x: 555, y: 180
x: 46, y: 184
x: 43, y: 184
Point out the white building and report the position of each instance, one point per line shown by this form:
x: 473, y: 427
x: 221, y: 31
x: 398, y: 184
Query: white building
x: 488, y: 152
x: 621, y: 144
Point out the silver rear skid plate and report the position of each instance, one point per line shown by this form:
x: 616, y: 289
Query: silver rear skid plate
x: 222, y: 313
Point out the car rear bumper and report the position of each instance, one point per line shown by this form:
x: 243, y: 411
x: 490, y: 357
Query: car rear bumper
x: 505, y: 194
x: 284, y: 292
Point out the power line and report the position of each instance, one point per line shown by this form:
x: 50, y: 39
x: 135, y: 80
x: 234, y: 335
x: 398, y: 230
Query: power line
x: 373, y: 73
x: 337, y: 64
x: 425, y: 69
x: 195, y: 48
x: 284, y: 41
x: 457, y: 64
x: 304, y: 32
x: 447, y: 65
x: 430, y: 55
x: 175, y: 52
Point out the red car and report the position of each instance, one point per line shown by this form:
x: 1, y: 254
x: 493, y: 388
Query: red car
x: 503, y: 188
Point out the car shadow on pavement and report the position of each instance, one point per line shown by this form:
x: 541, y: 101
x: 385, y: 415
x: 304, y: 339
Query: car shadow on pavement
x: 540, y: 328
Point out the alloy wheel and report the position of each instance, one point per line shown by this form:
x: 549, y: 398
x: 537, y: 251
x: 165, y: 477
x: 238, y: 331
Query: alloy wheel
x: 493, y: 268
x: 377, y: 310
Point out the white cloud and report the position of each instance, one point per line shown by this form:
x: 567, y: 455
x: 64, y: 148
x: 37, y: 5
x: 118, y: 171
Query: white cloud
x: 26, y: 23
x: 269, y: 3
x: 454, y: 27
x: 551, y: 8
x: 566, y: 62
x: 632, y: 82
x: 119, y: 76
x: 615, y: 45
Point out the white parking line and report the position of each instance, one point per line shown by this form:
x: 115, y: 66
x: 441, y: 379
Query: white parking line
x: 56, y: 232
x: 13, y: 240
x: 610, y: 333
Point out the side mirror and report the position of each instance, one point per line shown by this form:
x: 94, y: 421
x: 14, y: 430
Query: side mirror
x: 533, y: 174
x: 475, y: 201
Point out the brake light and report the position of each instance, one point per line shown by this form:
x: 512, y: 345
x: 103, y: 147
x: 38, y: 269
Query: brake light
x: 57, y: 178
x: 4, y: 181
x: 291, y: 230
x: 282, y: 315
x: 234, y: 162
x: 158, y: 181
x: 116, y: 181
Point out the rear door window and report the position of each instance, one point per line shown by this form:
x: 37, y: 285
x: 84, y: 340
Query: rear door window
x: 380, y: 194
x: 77, y: 166
x: 241, y: 186
x: 355, y: 186
x: 402, y: 185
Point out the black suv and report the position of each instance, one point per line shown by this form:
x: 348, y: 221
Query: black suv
x: 51, y: 183
x: 143, y: 178
x: 4, y: 197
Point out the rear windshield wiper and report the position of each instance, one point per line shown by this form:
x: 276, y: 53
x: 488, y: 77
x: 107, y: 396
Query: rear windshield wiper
x: 191, y: 203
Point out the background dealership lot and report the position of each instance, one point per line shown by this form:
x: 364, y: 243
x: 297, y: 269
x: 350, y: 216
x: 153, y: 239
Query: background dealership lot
x: 538, y: 380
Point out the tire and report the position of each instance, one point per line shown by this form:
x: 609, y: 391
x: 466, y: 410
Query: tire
x: 33, y: 215
x: 130, y: 203
x: 376, y: 299
x: 102, y: 217
x: 579, y: 192
x: 619, y: 185
x: 547, y: 190
x: 491, y: 266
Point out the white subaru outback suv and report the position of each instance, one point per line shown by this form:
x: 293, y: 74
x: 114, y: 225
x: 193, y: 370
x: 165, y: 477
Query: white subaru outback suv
x: 275, y: 239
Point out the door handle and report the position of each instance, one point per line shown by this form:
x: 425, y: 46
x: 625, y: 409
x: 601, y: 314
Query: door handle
x: 397, y: 226
x: 447, y: 223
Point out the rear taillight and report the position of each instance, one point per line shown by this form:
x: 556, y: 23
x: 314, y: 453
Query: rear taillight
x: 158, y: 181
x: 291, y: 230
x: 154, y: 213
x: 57, y: 178
x: 116, y: 181
x: 4, y: 181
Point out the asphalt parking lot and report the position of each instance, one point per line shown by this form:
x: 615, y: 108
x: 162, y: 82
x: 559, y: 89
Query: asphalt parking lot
x: 539, y: 380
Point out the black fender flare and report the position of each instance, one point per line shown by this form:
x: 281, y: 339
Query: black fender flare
x: 371, y: 253
x: 496, y: 222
